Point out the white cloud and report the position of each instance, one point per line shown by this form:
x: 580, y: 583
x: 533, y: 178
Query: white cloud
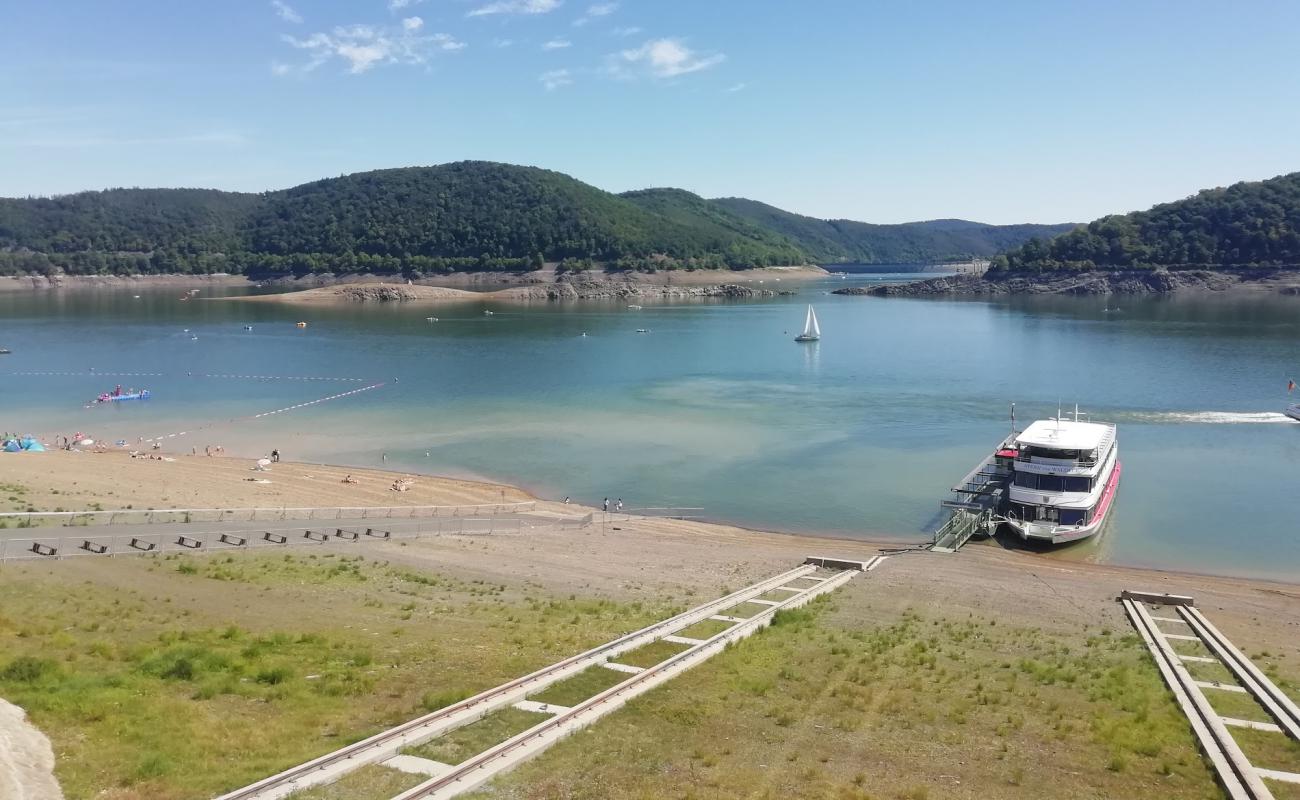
x: 668, y: 58
x: 398, y: 5
x: 366, y: 46
x: 626, y: 31
x: 285, y: 12
x: 280, y: 69
x: 554, y: 79
x: 557, y: 44
x: 516, y: 7
x: 737, y: 87
x: 594, y: 11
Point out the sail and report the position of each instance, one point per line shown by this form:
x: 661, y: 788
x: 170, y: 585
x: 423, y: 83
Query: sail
x: 813, y: 329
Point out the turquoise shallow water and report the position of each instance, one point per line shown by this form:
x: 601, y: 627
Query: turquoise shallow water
x: 716, y: 407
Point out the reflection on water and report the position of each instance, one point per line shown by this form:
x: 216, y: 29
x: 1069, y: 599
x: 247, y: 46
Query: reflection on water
x: 860, y: 433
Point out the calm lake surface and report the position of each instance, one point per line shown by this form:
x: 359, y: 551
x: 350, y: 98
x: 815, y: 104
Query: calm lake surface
x: 715, y: 407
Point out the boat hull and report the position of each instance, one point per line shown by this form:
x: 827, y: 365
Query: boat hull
x: 807, y: 338
x: 1049, y: 533
x: 1293, y: 412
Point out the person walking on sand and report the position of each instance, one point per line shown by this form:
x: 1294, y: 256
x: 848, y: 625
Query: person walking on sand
x: 605, y: 506
x: 619, y: 505
x: 275, y: 456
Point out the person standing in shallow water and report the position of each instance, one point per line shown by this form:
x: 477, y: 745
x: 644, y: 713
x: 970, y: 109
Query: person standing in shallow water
x: 619, y: 505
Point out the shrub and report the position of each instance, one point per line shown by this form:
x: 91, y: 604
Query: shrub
x: 26, y: 669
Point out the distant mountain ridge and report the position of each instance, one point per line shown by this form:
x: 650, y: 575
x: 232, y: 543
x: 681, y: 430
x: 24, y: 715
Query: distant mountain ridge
x: 1245, y: 225
x: 846, y: 241
x: 469, y: 215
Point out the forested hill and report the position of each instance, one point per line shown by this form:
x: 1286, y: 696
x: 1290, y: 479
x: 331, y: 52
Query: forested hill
x: 1245, y: 225
x: 839, y: 240
x: 469, y: 215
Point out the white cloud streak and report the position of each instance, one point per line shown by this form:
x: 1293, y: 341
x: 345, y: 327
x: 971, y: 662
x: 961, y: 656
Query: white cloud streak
x: 516, y: 7
x: 554, y: 79
x: 285, y: 12
x: 398, y: 5
x: 666, y: 58
x: 626, y: 31
x: 364, y: 47
x: 557, y: 44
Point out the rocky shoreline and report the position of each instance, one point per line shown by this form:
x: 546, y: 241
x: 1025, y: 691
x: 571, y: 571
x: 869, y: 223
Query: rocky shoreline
x: 1092, y: 283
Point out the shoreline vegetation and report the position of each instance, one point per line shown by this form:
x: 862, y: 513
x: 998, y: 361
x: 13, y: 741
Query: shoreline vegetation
x: 151, y: 675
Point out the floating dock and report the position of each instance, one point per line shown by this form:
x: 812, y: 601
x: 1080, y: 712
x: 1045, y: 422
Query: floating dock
x: 976, y: 499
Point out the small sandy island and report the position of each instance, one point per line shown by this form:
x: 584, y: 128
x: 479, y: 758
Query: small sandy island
x: 26, y: 759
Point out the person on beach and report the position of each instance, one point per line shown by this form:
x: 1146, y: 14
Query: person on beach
x: 566, y: 499
x: 619, y: 505
x: 605, y: 505
x: 275, y: 456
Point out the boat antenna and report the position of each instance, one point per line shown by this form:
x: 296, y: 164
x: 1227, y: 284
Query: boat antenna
x: 1013, y: 419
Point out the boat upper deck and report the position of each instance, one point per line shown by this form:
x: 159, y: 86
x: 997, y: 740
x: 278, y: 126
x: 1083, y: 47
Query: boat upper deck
x: 1064, y: 435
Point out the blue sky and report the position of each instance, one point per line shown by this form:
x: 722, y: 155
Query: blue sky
x: 882, y: 111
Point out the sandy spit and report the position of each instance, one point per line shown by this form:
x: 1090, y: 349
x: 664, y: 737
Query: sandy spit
x: 26, y: 759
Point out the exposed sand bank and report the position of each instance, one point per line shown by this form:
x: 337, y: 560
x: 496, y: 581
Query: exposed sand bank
x: 26, y: 759
x: 27, y: 283
x: 114, y: 480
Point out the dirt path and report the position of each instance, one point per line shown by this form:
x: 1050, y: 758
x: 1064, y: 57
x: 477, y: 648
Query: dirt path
x: 26, y: 759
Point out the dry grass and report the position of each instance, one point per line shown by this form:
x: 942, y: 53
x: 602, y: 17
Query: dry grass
x: 650, y: 654
x: 467, y: 742
x: 371, y: 782
x: 588, y: 683
x: 706, y: 629
x: 827, y: 704
x: 161, y: 679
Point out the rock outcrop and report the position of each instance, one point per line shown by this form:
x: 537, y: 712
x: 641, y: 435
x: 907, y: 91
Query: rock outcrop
x: 1087, y: 283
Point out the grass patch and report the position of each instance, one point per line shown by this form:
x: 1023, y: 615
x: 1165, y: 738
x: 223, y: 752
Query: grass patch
x: 706, y: 629
x: 1216, y: 672
x: 371, y: 782
x: 650, y: 654
x: 776, y: 595
x: 152, y: 681
x: 830, y: 703
x: 1283, y: 790
x: 1237, y: 705
x: 470, y: 740
x: 745, y: 610
x: 1268, y: 749
x: 1184, y: 647
x: 588, y: 683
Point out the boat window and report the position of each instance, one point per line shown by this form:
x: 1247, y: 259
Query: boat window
x: 1027, y: 480
x: 1051, y: 483
x: 1072, y: 516
x: 1078, y: 484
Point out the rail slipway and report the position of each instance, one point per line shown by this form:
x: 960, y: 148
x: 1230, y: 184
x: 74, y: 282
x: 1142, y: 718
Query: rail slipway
x: 444, y: 781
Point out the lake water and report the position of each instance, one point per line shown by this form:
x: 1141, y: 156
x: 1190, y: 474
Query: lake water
x: 715, y: 407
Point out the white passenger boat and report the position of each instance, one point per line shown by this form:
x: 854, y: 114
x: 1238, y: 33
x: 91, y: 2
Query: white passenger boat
x: 1065, y: 473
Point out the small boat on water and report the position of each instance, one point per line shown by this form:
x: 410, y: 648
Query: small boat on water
x: 4, y: 351
x: 811, y: 330
x: 1293, y: 411
x: 1064, y: 476
x: 635, y: 307
x: 109, y: 397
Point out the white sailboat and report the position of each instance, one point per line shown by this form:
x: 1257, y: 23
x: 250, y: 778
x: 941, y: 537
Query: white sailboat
x: 811, y: 330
